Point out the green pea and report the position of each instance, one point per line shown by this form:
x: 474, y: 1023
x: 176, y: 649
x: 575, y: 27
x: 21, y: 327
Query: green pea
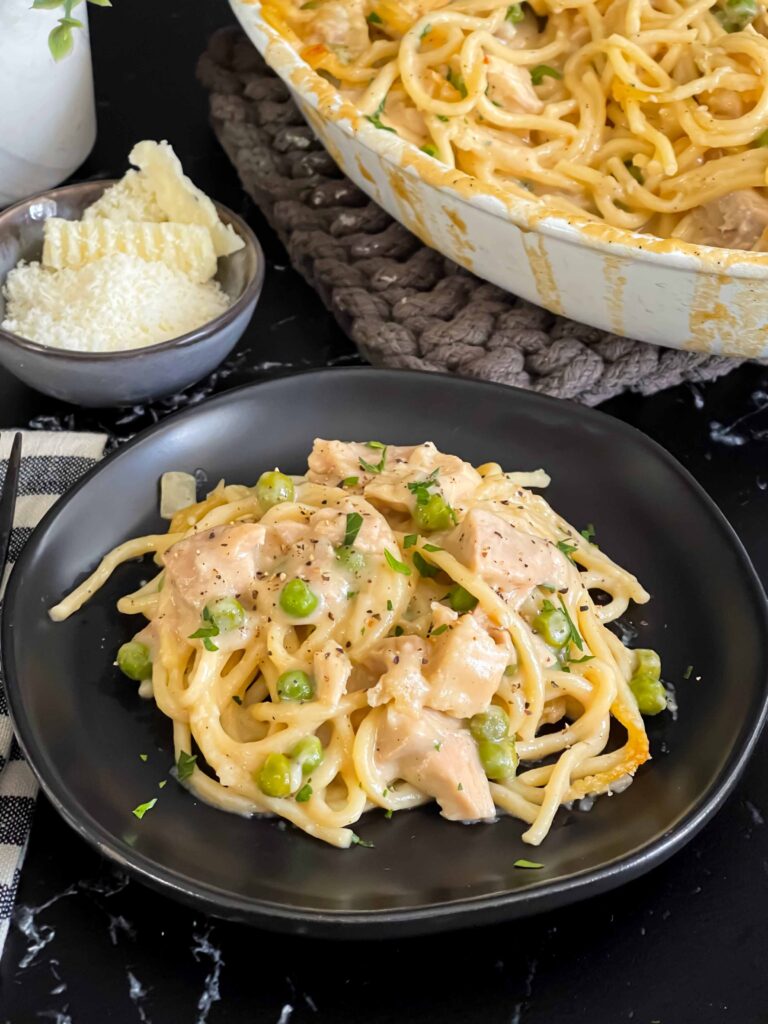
x: 273, y: 488
x: 553, y: 625
x: 735, y: 15
x: 274, y: 777
x: 461, y: 600
x: 647, y: 663
x: 515, y: 14
x: 434, y: 514
x: 492, y: 724
x: 646, y: 683
x: 226, y: 614
x: 134, y: 661
x: 350, y: 559
x: 649, y: 693
x: 297, y: 599
x: 498, y: 757
x: 295, y: 685
x: 308, y: 753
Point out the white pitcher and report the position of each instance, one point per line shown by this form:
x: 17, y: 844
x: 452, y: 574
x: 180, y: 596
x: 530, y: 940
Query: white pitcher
x: 47, y: 109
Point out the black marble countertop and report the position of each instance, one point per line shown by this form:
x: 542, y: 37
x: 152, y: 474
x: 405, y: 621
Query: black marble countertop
x: 685, y: 943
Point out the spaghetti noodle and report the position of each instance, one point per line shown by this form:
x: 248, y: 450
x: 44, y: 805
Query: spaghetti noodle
x: 391, y: 628
x: 648, y: 114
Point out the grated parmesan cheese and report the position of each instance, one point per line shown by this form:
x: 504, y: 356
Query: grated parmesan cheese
x: 116, y: 303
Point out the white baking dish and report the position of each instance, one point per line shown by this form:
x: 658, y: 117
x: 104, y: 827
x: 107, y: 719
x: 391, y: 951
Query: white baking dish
x: 657, y: 290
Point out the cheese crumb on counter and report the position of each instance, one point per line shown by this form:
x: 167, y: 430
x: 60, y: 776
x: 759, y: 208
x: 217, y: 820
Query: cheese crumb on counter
x: 115, y: 303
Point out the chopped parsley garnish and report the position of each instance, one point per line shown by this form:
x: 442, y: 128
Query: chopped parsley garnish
x: 378, y: 466
x: 425, y: 31
x: 142, y: 809
x: 410, y: 540
x: 351, y: 594
x: 206, y: 632
x: 573, y: 634
x: 390, y: 606
x: 350, y: 481
x: 425, y: 569
x: 442, y: 117
x: 542, y: 71
x: 636, y: 173
x: 354, y: 522
x: 515, y: 14
x: 438, y: 744
x: 430, y: 149
x: 398, y: 631
x: 388, y: 813
x: 375, y: 120
x: 580, y: 661
x: 529, y: 864
x: 143, y: 757
x: 420, y: 488
x: 396, y: 566
x: 458, y: 83
x: 588, y: 533
x: 185, y: 765
x: 304, y: 793
x: 432, y: 547
x: 357, y: 841
x: 688, y: 672
x: 163, y: 784
x: 440, y: 630
x: 460, y: 787
x: 566, y: 548
x: 237, y: 699
x: 377, y: 445
x: 373, y: 19
x: 510, y: 670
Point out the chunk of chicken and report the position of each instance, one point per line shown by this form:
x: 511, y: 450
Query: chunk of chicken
x: 333, y: 461
x: 510, y: 86
x: 340, y: 25
x: 399, y: 662
x: 457, y: 672
x: 464, y: 670
x: 332, y: 669
x: 506, y: 556
x: 330, y: 462
x: 220, y: 562
x: 738, y: 220
x: 373, y: 537
x: 438, y: 756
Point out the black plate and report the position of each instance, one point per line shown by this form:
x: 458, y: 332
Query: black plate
x: 83, y: 728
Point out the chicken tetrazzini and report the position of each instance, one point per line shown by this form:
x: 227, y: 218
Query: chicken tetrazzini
x: 649, y: 114
x: 394, y: 627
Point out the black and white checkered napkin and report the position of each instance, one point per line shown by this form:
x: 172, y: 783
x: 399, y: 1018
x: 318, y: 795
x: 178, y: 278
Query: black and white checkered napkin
x: 51, y: 463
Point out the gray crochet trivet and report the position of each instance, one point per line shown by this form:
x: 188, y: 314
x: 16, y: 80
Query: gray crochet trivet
x: 403, y: 304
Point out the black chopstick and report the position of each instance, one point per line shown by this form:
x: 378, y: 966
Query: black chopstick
x: 8, y: 499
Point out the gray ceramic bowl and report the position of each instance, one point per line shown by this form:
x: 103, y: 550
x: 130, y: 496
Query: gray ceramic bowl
x: 138, y: 375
